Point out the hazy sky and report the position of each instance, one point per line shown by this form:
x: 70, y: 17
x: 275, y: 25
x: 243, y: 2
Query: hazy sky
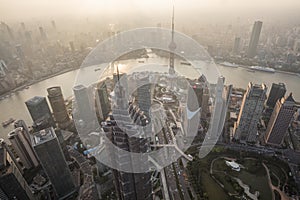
x: 22, y: 10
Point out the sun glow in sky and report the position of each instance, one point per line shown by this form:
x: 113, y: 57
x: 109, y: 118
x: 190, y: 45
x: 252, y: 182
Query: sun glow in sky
x: 30, y: 9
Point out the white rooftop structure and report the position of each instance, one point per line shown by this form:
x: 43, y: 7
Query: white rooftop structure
x: 234, y: 166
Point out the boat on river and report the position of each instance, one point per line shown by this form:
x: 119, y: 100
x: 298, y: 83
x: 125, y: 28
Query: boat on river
x: 8, y: 122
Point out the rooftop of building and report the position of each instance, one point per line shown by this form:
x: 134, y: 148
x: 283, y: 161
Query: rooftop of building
x: 290, y: 98
x: 53, y: 91
x: 13, y: 133
x: 43, y: 136
x: 35, y: 100
x: 79, y: 87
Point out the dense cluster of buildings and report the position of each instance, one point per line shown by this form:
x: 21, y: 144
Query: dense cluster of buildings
x: 264, y: 45
x: 29, y: 54
x: 39, y: 161
x: 262, y: 119
x: 48, y: 160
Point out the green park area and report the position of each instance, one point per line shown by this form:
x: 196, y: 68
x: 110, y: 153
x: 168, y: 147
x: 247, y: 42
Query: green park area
x: 213, y: 179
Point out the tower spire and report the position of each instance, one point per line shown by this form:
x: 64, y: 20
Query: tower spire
x: 172, y: 45
x: 173, y: 26
x: 118, y: 73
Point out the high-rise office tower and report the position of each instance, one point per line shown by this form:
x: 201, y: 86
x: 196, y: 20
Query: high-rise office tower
x: 205, y: 104
x: 220, y: 109
x: 297, y: 46
x: 62, y: 142
x: 144, y: 99
x: 72, y: 46
x: 3, y: 157
x: 10, y: 32
x: 10, y: 188
x: 277, y: 92
x: 103, y: 104
x: 23, y: 148
x: 39, y: 111
x: 28, y: 36
x: 58, y: 106
x: 42, y: 32
x: 131, y: 139
x: 3, y: 68
x: 280, y: 121
x: 11, y: 155
x: 84, y: 102
x: 245, y: 129
x: 20, y: 52
x: 23, y: 26
x: 22, y: 124
x: 254, y: 39
x: 50, y: 154
x: 12, y: 182
x: 53, y: 24
x: 236, y: 45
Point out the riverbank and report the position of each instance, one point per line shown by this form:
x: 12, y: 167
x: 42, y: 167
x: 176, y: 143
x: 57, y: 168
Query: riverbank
x: 27, y: 85
x: 249, y: 67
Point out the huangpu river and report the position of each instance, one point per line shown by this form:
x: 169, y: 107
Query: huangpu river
x: 13, y: 106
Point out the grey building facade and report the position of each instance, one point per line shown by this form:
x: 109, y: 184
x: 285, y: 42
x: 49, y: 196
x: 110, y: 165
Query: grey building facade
x: 251, y: 52
x: 50, y: 154
x: 245, y: 129
x: 280, y: 121
x: 277, y: 92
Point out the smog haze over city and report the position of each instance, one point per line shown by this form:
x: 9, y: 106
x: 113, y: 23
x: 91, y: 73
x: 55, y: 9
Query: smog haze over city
x: 191, y: 11
x: 149, y: 99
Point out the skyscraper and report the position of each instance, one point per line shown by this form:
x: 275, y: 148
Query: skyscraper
x: 128, y: 185
x: 2, y: 157
x: 280, y: 121
x: 84, y: 103
x: 23, y: 148
x: 254, y: 39
x: 245, y: 129
x: 53, y: 24
x: 72, y: 46
x: 297, y: 46
x: 205, y: 104
x: 10, y: 188
x: 50, y: 154
x: 236, y: 46
x: 144, y: 95
x: 3, y: 68
x: 20, y: 52
x: 59, y: 109
x: 39, y: 111
x: 12, y: 182
x: 43, y: 34
x: 221, y: 104
x: 23, y: 26
x: 103, y: 104
x: 22, y: 124
x: 277, y: 92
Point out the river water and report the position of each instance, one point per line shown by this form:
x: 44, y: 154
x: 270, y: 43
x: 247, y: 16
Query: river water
x: 14, y: 105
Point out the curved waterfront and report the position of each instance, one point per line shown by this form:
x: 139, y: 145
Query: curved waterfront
x: 14, y: 106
